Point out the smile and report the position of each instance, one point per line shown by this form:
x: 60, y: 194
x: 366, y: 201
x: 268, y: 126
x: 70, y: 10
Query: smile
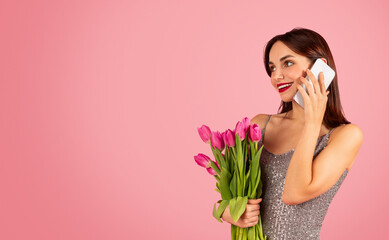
x: 285, y: 87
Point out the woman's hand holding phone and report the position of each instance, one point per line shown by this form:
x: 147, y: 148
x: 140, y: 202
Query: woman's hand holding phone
x: 315, y: 103
x: 318, y: 66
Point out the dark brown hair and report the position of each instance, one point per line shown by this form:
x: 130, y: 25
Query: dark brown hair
x: 312, y: 45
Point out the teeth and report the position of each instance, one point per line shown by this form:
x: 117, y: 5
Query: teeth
x: 284, y: 86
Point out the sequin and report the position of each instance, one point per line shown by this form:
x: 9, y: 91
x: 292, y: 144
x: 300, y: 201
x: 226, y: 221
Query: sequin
x: 281, y: 221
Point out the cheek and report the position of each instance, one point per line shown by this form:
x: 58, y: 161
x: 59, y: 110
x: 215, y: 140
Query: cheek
x: 273, y: 82
x: 295, y: 74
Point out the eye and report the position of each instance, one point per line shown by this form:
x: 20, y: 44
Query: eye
x: 271, y: 68
x: 289, y: 62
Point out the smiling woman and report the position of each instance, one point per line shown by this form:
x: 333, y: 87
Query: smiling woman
x: 307, y: 152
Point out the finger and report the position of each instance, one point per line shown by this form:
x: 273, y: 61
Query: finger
x: 322, y: 85
x: 314, y: 81
x: 252, y: 207
x: 252, y: 224
x: 308, y: 86
x: 253, y: 220
x: 253, y: 214
x: 250, y: 219
x: 254, y: 201
x: 304, y: 94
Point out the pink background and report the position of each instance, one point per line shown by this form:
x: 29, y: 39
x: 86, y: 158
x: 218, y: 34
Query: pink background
x: 101, y: 100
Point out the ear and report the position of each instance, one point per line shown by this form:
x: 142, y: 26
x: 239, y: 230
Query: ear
x: 325, y: 60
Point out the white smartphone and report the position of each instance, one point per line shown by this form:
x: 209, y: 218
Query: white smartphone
x: 318, y: 66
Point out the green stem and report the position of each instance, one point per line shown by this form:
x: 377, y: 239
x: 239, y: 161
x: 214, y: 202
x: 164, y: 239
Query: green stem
x: 260, y: 227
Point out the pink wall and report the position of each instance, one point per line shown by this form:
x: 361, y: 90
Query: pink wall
x: 100, y: 101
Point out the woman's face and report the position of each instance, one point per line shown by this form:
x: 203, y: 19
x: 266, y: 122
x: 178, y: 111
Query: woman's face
x: 286, y: 66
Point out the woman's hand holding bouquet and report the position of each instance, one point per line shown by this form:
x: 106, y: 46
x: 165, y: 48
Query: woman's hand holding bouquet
x: 238, y: 173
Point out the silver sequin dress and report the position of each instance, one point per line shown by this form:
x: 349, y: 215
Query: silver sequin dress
x: 281, y: 221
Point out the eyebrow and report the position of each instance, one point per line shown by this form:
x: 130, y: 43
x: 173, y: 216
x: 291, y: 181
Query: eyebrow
x: 281, y: 59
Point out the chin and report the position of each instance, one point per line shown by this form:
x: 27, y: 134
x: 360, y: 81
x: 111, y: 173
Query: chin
x: 286, y: 100
x: 288, y: 97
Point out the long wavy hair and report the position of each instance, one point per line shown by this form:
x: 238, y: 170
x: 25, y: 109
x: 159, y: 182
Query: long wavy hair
x: 312, y: 45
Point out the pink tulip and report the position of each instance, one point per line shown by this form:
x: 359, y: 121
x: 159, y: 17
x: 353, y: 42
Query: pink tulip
x: 211, y: 171
x: 255, y: 133
x: 246, y: 123
x: 229, y: 138
x: 239, y: 130
x: 205, y: 133
x: 217, y: 140
x: 203, y: 160
x: 224, y: 137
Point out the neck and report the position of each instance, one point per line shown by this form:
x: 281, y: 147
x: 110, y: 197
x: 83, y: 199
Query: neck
x: 297, y: 113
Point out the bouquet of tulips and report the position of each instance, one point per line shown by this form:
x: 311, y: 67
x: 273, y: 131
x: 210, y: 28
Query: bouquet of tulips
x: 237, y: 172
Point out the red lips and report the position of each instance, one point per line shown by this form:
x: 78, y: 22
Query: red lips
x: 284, y: 89
x: 283, y: 84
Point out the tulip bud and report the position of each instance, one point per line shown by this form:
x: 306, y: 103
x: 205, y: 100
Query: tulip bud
x: 224, y: 137
x: 229, y: 138
x: 203, y: 160
x: 211, y: 171
x: 246, y: 123
x: 217, y: 140
x: 255, y: 133
x: 205, y: 133
x: 239, y: 130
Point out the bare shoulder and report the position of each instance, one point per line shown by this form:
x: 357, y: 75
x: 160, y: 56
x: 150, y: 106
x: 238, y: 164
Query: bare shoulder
x: 351, y: 133
x: 259, y: 119
x: 347, y: 140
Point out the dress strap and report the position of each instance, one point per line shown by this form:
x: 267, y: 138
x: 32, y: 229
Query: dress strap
x: 266, y: 123
x: 264, y: 128
x: 331, y: 131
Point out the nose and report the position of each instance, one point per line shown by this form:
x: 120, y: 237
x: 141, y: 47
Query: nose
x: 277, y: 74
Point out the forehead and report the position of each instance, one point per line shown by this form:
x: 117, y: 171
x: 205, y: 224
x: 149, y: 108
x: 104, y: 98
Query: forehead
x: 279, y: 50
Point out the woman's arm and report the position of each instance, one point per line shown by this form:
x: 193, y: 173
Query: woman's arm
x: 307, y: 179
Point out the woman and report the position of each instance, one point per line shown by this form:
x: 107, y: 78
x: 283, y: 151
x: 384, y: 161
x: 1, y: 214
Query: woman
x: 307, y: 151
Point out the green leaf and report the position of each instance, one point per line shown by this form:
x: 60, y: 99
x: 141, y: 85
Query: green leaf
x: 233, y: 162
x: 237, y: 207
x: 225, y: 184
x: 256, y: 163
x: 248, y: 174
x: 219, y: 157
x: 239, y: 154
x: 214, y: 167
x: 217, y: 213
x: 233, y: 152
x: 214, y: 213
x: 256, y: 173
x: 259, y: 190
x: 232, y: 185
x: 249, y: 190
x: 227, y: 157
